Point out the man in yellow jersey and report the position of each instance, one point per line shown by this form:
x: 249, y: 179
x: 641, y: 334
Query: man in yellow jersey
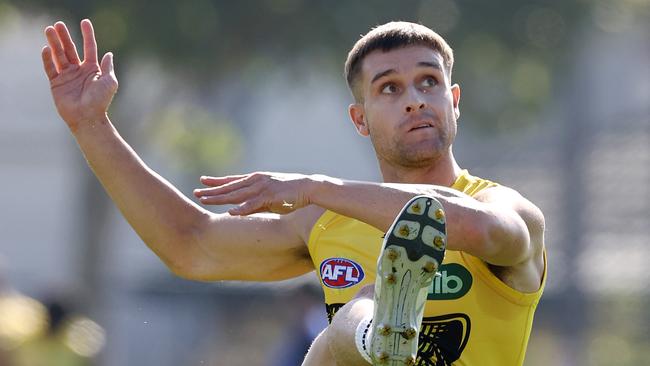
x: 479, y: 311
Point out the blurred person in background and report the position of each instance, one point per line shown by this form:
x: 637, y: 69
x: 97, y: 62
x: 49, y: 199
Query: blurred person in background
x: 53, y: 346
x: 479, y: 311
x: 33, y: 333
x: 4, y: 317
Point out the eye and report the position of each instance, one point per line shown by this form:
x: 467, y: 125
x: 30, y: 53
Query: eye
x: 389, y: 88
x: 429, y: 82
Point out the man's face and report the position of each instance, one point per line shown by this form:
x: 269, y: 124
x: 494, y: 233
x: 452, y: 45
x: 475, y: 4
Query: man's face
x: 409, y: 108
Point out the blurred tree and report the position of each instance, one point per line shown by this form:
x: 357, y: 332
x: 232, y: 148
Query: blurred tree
x: 509, y: 52
x: 196, y: 140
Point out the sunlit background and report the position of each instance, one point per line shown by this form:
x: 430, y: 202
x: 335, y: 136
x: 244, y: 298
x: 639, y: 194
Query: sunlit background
x: 555, y: 103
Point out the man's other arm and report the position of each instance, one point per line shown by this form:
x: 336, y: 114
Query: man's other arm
x: 193, y: 242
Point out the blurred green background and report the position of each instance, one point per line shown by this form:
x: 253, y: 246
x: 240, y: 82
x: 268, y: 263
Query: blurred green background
x: 555, y: 103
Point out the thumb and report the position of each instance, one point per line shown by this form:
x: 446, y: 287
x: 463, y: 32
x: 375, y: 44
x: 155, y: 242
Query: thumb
x: 107, y: 63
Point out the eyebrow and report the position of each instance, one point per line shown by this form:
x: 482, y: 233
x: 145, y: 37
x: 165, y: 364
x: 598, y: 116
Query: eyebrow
x: 435, y: 65
x: 380, y: 75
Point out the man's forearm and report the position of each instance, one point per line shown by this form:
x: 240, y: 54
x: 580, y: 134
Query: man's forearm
x: 161, y: 215
x: 377, y: 204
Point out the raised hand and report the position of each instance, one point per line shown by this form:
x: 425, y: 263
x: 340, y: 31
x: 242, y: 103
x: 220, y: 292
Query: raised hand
x: 257, y: 192
x: 82, y: 90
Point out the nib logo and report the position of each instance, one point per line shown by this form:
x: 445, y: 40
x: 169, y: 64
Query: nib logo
x: 453, y: 283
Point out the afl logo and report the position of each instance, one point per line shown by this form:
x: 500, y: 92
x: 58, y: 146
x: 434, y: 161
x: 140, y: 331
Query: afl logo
x: 340, y: 273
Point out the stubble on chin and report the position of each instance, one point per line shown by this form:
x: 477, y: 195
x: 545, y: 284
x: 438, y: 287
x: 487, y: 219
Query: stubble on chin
x: 408, y: 156
x: 421, y: 154
x: 411, y: 157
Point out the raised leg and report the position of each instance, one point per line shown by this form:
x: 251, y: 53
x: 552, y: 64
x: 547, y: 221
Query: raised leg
x: 336, y: 344
x: 414, y: 248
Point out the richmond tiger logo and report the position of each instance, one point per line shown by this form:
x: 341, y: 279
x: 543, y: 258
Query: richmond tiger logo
x: 443, y: 339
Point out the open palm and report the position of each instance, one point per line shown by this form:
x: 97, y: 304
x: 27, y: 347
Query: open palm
x: 82, y: 90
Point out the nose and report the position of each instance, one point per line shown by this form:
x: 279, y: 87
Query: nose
x: 414, y: 106
x: 414, y: 101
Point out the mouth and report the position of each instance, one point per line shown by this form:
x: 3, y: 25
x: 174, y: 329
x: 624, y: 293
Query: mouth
x: 421, y: 126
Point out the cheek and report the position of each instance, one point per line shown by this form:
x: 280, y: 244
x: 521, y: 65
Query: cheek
x: 382, y: 113
x: 444, y: 106
x: 379, y: 125
x: 449, y: 101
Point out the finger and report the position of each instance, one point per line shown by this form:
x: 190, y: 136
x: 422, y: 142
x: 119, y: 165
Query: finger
x: 53, y: 40
x: 48, y: 63
x: 69, y: 47
x: 217, y: 181
x: 107, y: 64
x: 248, y: 208
x: 235, y: 197
x: 224, y: 188
x: 90, y: 44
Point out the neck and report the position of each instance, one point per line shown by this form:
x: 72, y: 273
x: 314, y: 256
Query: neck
x: 442, y: 172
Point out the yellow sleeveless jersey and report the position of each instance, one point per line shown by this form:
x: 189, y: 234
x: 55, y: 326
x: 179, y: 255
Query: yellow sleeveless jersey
x: 470, y: 318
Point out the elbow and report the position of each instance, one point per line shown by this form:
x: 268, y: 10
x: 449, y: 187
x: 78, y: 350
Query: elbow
x: 191, y: 274
x: 184, y: 255
x: 178, y: 261
x: 509, y: 250
x: 506, y: 241
x: 180, y: 271
x: 181, y: 268
x: 507, y: 236
x: 193, y: 268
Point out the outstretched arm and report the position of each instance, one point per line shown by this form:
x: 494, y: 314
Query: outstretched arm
x: 499, y: 225
x: 192, y: 241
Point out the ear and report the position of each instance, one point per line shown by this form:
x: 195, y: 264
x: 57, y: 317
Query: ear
x: 358, y: 117
x: 455, y: 92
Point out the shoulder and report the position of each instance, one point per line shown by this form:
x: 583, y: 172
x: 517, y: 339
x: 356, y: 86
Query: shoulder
x: 527, y: 273
x: 508, y: 198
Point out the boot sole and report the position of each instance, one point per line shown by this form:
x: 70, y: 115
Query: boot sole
x: 413, y: 250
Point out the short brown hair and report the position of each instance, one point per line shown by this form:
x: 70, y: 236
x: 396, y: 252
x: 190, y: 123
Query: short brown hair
x: 388, y: 37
